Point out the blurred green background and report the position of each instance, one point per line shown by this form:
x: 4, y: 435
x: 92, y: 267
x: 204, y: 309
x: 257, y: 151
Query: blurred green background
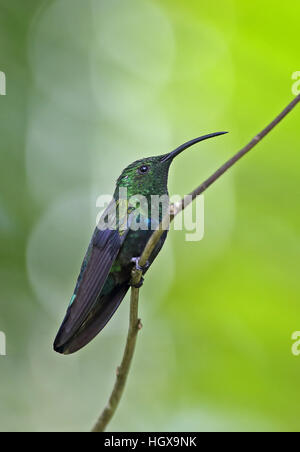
x: 91, y: 86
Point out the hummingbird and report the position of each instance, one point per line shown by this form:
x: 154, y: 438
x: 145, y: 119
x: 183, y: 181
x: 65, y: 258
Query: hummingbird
x: 105, y: 274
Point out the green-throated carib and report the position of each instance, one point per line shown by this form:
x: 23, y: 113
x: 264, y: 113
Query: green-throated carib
x: 105, y: 274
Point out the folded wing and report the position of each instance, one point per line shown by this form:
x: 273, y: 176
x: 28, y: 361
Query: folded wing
x: 102, y: 252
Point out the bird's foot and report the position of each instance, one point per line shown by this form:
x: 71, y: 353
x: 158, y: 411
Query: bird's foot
x: 136, y: 261
x: 138, y: 285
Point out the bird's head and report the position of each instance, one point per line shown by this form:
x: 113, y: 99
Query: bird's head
x: 149, y: 176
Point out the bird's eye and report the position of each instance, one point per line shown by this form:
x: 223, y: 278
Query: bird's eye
x: 143, y: 169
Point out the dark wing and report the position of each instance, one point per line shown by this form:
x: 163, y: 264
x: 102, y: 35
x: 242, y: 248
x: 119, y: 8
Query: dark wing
x: 102, y: 312
x: 97, y: 319
x: 102, y: 252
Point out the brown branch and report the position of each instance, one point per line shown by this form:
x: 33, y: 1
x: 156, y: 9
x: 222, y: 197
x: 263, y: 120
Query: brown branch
x: 122, y: 372
x: 134, y: 323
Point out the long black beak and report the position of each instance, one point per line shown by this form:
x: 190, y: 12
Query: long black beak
x: 186, y: 145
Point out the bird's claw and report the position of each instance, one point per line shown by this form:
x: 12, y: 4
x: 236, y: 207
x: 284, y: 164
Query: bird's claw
x: 138, y: 285
x: 139, y: 268
x: 136, y: 261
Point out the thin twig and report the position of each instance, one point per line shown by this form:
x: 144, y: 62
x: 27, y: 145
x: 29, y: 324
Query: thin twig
x: 135, y: 323
x: 122, y: 371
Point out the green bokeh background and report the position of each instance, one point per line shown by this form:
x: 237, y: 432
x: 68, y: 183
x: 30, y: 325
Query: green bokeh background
x: 92, y: 86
